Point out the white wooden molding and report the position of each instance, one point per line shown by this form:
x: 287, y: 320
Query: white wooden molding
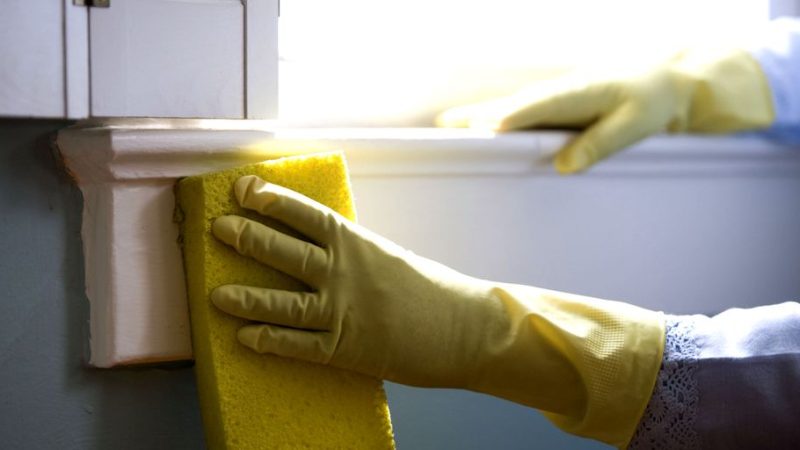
x: 261, y: 58
x: 126, y: 170
x: 76, y: 61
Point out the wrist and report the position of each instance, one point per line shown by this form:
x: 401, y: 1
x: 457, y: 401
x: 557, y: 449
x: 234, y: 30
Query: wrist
x: 730, y: 91
x: 588, y: 364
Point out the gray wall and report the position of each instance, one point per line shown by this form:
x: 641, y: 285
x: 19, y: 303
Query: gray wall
x: 48, y: 398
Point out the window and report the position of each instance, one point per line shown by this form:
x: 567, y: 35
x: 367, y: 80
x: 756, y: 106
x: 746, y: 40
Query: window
x: 368, y: 63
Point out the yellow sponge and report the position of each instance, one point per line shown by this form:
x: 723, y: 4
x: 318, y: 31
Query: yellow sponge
x: 254, y: 401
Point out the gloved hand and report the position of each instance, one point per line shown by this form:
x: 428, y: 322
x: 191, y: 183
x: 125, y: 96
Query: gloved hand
x: 702, y: 90
x: 376, y: 308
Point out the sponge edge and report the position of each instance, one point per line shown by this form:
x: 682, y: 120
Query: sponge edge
x: 248, y: 400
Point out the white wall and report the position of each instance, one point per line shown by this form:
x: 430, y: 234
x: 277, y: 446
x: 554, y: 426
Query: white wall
x: 678, y: 244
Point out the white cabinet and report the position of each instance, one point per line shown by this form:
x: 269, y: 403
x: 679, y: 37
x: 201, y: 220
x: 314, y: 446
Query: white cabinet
x: 43, y: 60
x: 139, y: 58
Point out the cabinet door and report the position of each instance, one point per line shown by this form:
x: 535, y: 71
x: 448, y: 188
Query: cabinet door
x: 43, y: 59
x: 149, y: 58
x: 166, y: 58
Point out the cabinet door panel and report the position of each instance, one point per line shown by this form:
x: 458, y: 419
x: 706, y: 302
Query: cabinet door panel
x: 168, y: 58
x: 31, y: 59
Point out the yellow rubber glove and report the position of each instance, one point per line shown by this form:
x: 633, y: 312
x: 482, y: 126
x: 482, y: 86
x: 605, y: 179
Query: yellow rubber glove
x: 707, y: 91
x: 378, y: 309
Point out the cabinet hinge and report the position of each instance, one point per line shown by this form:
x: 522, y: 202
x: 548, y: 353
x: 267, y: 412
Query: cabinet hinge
x: 94, y: 3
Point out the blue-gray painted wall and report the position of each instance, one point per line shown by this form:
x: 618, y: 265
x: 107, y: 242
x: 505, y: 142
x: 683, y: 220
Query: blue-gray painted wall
x: 49, y: 399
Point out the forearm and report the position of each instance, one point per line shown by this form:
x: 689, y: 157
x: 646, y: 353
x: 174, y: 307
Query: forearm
x: 588, y: 364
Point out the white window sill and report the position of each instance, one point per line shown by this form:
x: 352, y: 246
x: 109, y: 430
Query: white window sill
x: 126, y: 170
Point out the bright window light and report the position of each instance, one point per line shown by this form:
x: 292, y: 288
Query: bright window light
x: 381, y: 63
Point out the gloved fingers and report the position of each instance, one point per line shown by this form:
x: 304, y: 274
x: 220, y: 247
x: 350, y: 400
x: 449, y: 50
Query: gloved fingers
x: 292, y: 309
x: 484, y: 115
x: 568, y: 101
x: 312, y: 346
x: 305, y: 215
x: 455, y: 117
x: 611, y: 134
x: 490, y: 115
x: 295, y: 257
x: 559, y: 103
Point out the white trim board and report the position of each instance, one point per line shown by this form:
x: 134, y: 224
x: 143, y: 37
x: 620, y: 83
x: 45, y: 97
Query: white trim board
x: 261, y: 58
x: 126, y: 170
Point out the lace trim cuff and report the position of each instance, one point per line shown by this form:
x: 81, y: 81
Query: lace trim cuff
x: 668, y: 421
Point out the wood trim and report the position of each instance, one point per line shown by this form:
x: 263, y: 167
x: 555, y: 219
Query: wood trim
x: 126, y: 170
x: 148, y: 148
x: 261, y: 59
x: 76, y: 61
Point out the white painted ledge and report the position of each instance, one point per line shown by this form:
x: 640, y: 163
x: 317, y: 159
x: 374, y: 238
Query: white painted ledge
x: 126, y: 170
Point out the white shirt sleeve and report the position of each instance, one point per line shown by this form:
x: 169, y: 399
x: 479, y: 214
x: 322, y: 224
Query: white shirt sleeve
x: 777, y: 49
